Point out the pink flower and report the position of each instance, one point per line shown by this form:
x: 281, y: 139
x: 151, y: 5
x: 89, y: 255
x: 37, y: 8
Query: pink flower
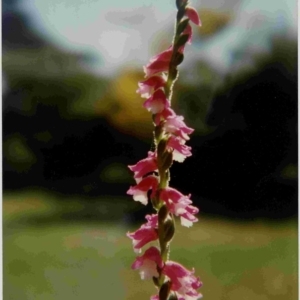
x: 145, y: 234
x: 180, y: 205
x: 175, y: 125
x: 183, y: 281
x: 157, y: 102
x: 148, y: 86
x: 155, y: 297
x: 148, y: 262
x: 192, y: 14
x: 186, y: 212
x: 144, y: 166
x: 159, y: 63
x: 140, y: 190
x: 170, y: 194
x: 167, y: 112
x: 180, y: 151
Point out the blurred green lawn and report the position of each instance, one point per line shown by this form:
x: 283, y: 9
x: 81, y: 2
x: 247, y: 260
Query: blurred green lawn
x: 63, y: 260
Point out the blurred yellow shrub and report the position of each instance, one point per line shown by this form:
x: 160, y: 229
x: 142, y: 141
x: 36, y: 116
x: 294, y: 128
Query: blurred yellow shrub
x: 214, y: 21
x: 123, y: 107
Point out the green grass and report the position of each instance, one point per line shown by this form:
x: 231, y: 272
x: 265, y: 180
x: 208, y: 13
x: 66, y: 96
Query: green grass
x: 63, y: 260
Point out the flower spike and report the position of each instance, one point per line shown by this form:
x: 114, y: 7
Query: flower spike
x: 152, y: 174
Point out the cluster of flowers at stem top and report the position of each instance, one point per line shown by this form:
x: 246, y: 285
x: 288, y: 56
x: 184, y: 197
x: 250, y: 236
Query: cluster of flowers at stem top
x: 152, y: 175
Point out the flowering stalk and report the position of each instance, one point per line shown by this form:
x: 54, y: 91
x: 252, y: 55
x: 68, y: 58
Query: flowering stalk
x: 152, y: 174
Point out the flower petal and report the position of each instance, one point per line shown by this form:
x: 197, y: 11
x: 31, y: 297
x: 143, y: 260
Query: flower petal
x: 159, y: 63
x: 144, y: 166
x: 146, y: 233
x: 157, y: 102
x: 148, y: 86
x: 192, y: 14
x: 139, y: 191
x: 183, y: 281
x: 148, y: 262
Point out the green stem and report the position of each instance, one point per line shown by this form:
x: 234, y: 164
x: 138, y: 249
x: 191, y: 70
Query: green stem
x: 164, y: 175
x: 172, y: 69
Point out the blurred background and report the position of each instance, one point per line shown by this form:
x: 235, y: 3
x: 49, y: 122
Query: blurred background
x: 72, y: 122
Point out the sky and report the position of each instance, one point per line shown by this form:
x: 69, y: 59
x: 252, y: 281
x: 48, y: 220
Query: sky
x: 122, y: 33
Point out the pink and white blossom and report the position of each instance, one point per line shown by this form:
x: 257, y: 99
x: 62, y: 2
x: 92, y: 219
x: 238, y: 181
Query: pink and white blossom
x: 152, y: 220
x: 171, y: 194
x: 157, y: 102
x: 139, y: 191
x: 148, y: 86
x: 185, y: 211
x: 145, y: 234
x: 148, y: 263
x: 166, y: 113
x: 180, y: 150
x: 175, y: 125
x: 183, y: 281
x: 144, y: 166
x: 179, y: 205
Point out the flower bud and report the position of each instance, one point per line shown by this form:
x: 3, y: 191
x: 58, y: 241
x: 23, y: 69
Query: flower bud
x: 162, y: 214
x: 180, y: 14
x: 173, y: 75
x: 179, y: 56
x: 155, y: 202
x: 167, y: 160
x: 155, y: 281
x: 158, y: 130
x: 182, y: 40
x: 161, y: 148
x: 173, y: 297
x: 169, y: 230
x: 164, y: 291
x: 182, y: 26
